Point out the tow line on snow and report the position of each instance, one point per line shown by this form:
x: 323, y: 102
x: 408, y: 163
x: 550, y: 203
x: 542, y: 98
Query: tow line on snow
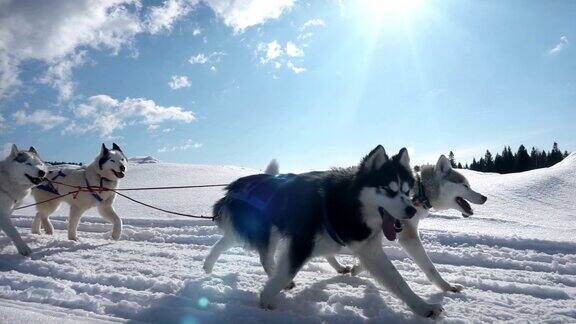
x: 92, y: 189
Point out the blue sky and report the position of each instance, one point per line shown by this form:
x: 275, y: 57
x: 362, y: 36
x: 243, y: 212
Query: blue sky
x: 312, y: 83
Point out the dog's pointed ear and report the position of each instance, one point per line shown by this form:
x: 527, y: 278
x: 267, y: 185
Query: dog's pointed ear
x: 443, y: 165
x: 375, y: 159
x: 32, y: 150
x: 14, y: 151
x: 116, y: 147
x: 404, y: 158
x: 104, y: 151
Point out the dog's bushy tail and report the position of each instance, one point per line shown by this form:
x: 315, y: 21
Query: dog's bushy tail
x: 218, y: 210
x: 273, y: 168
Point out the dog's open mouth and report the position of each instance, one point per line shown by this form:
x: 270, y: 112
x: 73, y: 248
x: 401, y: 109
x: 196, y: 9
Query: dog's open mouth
x: 467, y: 210
x: 34, y: 180
x: 390, y: 225
x: 118, y: 175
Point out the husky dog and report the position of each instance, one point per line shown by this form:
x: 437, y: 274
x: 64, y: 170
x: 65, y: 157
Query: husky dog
x: 106, y: 170
x: 318, y: 214
x: 439, y: 187
x: 19, y: 172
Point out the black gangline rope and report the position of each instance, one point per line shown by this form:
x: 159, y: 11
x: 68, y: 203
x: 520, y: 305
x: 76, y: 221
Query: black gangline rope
x: 92, y: 189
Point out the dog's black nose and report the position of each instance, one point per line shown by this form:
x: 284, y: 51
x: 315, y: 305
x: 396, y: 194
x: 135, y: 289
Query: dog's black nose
x: 484, y: 198
x: 41, y: 174
x: 122, y: 168
x: 410, y: 211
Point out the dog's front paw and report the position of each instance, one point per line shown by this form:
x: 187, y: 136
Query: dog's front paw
x: 290, y: 286
x: 266, y: 303
x: 356, y: 270
x: 455, y: 288
x: 432, y: 311
x: 116, y: 235
x: 24, y: 250
x: 73, y: 237
x: 208, y: 267
x: 345, y: 270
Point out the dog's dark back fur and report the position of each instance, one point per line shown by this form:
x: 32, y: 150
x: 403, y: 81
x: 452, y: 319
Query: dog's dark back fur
x: 300, y: 206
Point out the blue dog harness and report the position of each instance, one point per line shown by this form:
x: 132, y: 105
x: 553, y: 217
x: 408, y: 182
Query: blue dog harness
x: 92, y: 191
x: 259, y: 194
x: 49, y: 186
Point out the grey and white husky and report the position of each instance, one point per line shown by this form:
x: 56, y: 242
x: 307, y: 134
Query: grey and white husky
x: 19, y: 172
x: 319, y: 214
x: 106, y: 170
x: 439, y: 187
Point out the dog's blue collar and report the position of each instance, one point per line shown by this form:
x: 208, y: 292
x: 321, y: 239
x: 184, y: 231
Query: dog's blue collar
x: 421, y: 197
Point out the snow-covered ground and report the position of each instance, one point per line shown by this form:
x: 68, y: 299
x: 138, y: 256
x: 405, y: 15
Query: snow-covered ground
x: 516, y: 258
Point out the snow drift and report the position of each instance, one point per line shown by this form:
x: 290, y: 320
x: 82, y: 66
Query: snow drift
x: 516, y: 258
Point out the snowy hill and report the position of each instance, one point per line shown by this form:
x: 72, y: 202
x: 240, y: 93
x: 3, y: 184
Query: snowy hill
x: 516, y: 258
x: 142, y: 160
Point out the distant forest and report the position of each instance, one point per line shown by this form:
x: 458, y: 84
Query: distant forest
x: 509, y: 162
x: 61, y: 162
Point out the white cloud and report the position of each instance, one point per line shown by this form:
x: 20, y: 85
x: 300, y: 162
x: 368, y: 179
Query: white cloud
x: 294, y: 68
x: 293, y: 50
x: 5, y: 150
x: 241, y: 14
x: 2, y: 125
x: 238, y: 14
x: 313, y: 23
x: 560, y: 46
x: 202, y: 58
x: 272, y: 51
x: 196, y: 32
x: 305, y: 33
x: 277, y: 56
x: 162, y: 18
x: 198, y: 59
x: 45, y: 119
x: 178, y: 82
x: 52, y: 31
x: 103, y: 115
x: 59, y: 74
x: 189, y: 144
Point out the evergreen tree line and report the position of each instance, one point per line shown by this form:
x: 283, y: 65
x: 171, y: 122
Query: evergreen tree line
x: 61, y: 162
x: 509, y: 162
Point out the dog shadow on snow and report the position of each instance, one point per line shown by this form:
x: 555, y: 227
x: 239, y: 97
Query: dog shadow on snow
x: 218, y: 299
x: 10, y: 259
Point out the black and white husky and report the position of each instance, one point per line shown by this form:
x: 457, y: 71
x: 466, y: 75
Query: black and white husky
x: 19, y: 172
x: 106, y: 170
x: 438, y: 187
x: 318, y: 214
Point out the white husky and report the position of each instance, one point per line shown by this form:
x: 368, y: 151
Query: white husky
x: 439, y: 187
x: 106, y: 170
x: 19, y: 172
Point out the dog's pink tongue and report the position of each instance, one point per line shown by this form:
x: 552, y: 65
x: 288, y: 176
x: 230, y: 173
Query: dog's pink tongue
x: 388, y: 228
